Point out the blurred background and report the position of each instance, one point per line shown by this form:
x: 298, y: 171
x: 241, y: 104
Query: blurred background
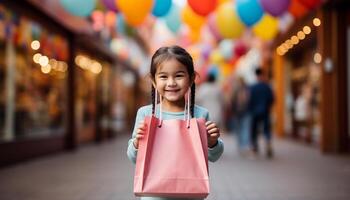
x: 74, y: 72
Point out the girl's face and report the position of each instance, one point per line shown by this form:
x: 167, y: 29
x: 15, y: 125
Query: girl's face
x: 172, y: 81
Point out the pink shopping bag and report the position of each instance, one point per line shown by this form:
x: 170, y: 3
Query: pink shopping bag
x: 172, y: 159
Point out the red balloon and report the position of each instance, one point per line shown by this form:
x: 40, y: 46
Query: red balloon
x: 240, y: 49
x: 310, y: 3
x: 202, y: 7
x: 297, y: 9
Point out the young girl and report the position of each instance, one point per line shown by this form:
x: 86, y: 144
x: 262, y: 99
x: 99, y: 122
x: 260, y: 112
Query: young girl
x: 172, y: 75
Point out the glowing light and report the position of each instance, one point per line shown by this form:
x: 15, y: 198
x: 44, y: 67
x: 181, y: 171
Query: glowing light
x: 43, y: 60
x: 316, y: 21
x: 36, y: 57
x: 289, y: 43
x: 294, y: 39
x: 317, y: 58
x: 46, y: 69
x: 62, y: 66
x: 96, y: 67
x: 35, y: 45
x: 307, y: 30
x: 301, y: 35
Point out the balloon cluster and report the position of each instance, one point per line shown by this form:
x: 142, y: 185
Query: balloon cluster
x: 226, y: 19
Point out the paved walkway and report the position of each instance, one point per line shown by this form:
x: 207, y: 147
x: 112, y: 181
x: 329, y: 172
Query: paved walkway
x: 103, y: 172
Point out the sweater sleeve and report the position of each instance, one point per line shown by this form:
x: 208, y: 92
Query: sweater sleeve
x: 132, y: 151
x: 215, y: 153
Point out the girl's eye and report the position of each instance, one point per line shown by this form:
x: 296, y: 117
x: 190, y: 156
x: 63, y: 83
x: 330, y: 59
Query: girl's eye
x: 162, y: 77
x: 180, y: 75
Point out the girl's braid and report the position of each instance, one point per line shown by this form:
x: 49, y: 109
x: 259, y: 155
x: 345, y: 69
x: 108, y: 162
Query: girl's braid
x: 153, y: 93
x: 193, y: 95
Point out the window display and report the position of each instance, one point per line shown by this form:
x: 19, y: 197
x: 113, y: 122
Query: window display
x: 33, y: 70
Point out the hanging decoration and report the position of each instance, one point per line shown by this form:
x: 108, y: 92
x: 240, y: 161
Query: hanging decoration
x: 135, y: 11
x: 110, y: 5
x: 275, y: 7
x: 202, y: 7
x: 266, y: 28
x: 81, y: 8
x: 193, y: 20
x: 228, y: 23
x: 249, y: 11
x: 173, y: 19
x: 161, y: 7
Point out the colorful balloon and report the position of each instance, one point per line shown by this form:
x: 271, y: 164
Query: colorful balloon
x: 297, y: 9
x: 249, y: 11
x: 161, y: 7
x: 173, y: 19
x: 193, y: 20
x: 228, y: 23
x: 275, y: 7
x: 310, y: 3
x: 266, y: 28
x: 226, y: 48
x: 213, y: 27
x: 135, y: 11
x: 81, y: 8
x: 202, y: 7
x: 110, y: 5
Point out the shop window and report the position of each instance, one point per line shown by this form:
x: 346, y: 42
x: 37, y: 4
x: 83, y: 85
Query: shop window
x: 32, y: 79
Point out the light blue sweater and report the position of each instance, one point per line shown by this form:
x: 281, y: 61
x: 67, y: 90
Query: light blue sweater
x: 199, y: 112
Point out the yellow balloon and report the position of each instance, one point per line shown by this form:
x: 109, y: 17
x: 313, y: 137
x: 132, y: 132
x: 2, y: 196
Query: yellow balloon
x: 266, y: 28
x: 216, y: 57
x: 134, y: 11
x: 193, y: 20
x: 228, y: 23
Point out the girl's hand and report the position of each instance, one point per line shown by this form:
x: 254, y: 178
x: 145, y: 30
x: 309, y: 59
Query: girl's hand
x: 141, y: 130
x: 213, y: 133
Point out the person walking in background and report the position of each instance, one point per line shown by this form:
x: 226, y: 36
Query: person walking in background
x: 241, y: 115
x: 260, y: 103
x: 209, y: 96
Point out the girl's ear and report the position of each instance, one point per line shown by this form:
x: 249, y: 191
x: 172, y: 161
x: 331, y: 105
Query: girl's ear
x: 193, y: 78
x: 153, y: 83
x: 152, y: 80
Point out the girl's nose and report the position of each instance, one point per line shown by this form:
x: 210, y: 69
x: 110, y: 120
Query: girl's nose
x: 171, y: 82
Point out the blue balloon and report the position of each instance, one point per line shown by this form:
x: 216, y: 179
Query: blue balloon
x: 161, y: 7
x: 81, y: 8
x: 120, y: 24
x: 249, y: 11
x: 214, y: 71
x: 173, y: 19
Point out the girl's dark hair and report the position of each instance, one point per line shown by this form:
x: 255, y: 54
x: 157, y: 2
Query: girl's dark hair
x: 181, y: 55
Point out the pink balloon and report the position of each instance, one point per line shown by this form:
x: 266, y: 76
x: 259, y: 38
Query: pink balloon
x: 212, y: 27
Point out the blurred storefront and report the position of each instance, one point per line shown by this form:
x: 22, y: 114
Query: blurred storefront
x: 310, y: 71
x: 58, y: 84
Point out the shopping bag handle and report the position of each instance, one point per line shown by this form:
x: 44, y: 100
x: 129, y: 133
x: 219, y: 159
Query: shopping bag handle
x: 187, y: 108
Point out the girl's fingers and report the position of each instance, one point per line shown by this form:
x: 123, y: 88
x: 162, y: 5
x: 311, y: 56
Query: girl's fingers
x: 211, y: 126
x: 138, y: 136
x: 213, y: 130
x: 208, y: 122
x: 214, y: 135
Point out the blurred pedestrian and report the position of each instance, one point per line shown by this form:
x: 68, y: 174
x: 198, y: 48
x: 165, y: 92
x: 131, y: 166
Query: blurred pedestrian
x: 241, y: 115
x: 209, y: 96
x: 260, y: 103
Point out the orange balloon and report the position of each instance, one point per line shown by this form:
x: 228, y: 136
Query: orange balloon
x: 134, y: 11
x: 297, y: 9
x: 193, y: 20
